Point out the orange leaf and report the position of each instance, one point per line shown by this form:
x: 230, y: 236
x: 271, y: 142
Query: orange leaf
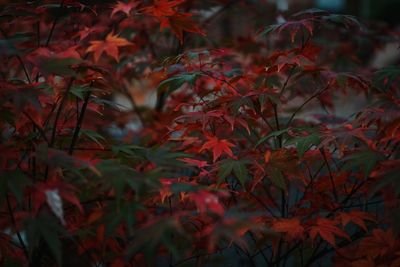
x: 267, y: 156
x: 110, y: 46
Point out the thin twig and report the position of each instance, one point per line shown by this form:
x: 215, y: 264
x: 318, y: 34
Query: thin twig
x: 15, y: 228
x: 37, y: 126
x: 305, y: 103
x: 79, y: 123
x: 53, y: 26
x: 58, y: 112
x: 322, y: 151
x: 19, y: 59
x: 262, y: 204
x: 287, y: 80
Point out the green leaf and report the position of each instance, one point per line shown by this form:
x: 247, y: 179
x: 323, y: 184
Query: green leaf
x: 59, y: 66
x: 125, y: 214
x: 14, y: 181
x: 59, y: 158
x: 303, y: 143
x: 92, y: 135
x: 79, y: 91
x: 17, y: 181
x: 271, y: 134
x: 121, y: 178
x: 276, y: 177
x: 240, y: 170
x: 46, y: 227
x: 225, y: 168
x: 242, y: 101
x: 237, y: 166
x: 166, y: 232
x: 171, y: 84
x: 129, y: 151
x: 365, y: 160
x: 162, y: 156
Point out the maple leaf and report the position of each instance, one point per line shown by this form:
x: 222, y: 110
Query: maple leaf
x: 53, y: 192
x: 291, y: 227
x: 357, y: 217
x: 267, y: 156
x: 293, y: 27
x: 327, y: 230
x: 392, y: 130
x: 165, y: 191
x: 110, y: 46
x: 379, y: 243
x: 124, y: 7
x: 195, y: 162
x: 179, y: 23
x: 218, y: 146
x: 207, y: 201
x: 162, y: 8
x: 86, y: 31
x: 232, y: 120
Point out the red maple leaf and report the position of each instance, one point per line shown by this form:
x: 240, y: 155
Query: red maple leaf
x: 179, y: 23
x: 162, y: 8
x: 357, y: 217
x: 124, y: 7
x: 86, y: 31
x: 195, y: 162
x: 218, y: 146
x: 207, y: 201
x: 66, y: 192
x: 291, y: 227
x: 110, y: 46
x: 327, y: 230
x: 379, y: 243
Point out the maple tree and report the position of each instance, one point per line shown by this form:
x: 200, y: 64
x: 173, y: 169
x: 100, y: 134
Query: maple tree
x: 245, y: 158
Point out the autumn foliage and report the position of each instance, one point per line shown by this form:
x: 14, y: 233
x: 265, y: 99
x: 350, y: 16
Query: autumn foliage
x: 246, y: 158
